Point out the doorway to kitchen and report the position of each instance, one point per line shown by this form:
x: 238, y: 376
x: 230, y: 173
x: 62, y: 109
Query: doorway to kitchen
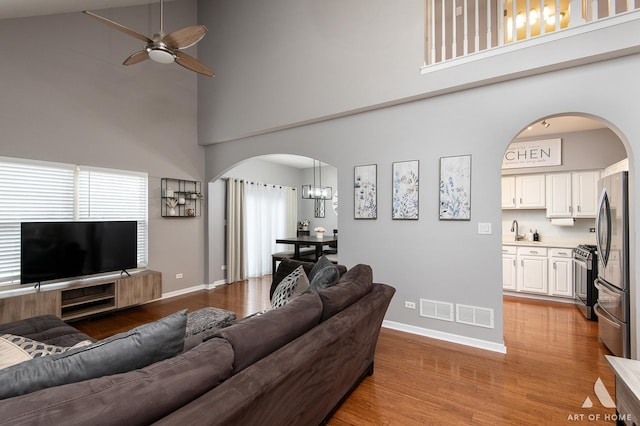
x: 549, y: 201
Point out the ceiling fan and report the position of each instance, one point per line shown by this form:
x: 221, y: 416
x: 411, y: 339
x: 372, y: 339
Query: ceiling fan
x: 164, y: 48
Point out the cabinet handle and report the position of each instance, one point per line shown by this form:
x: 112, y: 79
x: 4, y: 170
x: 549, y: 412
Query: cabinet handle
x: 555, y: 266
x: 534, y: 251
x: 521, y: 262
x: 562, y: 253
x: 520, y: 200
x: 514, y: 262
x: 579, y: 210
x: 570, y: 209
x: 514, y: 201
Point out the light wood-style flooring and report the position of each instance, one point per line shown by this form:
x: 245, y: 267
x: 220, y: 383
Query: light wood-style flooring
x: 553, y: 360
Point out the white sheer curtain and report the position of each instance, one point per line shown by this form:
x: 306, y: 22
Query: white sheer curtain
x: 257, y: 214
x: 266, y: 213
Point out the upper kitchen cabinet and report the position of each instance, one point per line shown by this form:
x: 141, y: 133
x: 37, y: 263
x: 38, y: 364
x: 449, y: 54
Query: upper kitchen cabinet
x: 559, y: 195
x: 523, y: 192
x: 585, y: 193
x: 572, y: 194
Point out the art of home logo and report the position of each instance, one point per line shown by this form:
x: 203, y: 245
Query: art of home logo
x: 605, y: 400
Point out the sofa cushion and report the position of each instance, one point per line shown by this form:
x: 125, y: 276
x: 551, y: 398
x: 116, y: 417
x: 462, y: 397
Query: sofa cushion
x: 353, y: 285
x: 291, y: 286
x: 323, y: 274
x: 123, y: 352
x: 255, y: 337
x: 138, y: 397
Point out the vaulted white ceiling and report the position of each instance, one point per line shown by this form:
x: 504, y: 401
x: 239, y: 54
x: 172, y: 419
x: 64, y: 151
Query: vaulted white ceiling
x: 24, y: 8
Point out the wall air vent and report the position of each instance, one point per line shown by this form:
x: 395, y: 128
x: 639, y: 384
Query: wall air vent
x: 474, y: 315
x: 437, y: 310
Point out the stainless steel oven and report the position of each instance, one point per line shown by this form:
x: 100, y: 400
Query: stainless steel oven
x: 585, y: 271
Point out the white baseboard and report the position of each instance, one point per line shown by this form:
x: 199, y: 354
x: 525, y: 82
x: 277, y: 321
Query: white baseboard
x: 447, y: 337
x: 558, y: 299
x: 192, y: 289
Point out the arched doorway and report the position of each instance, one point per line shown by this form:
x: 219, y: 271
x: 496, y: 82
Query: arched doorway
x: 589, y: 148
x: 273, y: 169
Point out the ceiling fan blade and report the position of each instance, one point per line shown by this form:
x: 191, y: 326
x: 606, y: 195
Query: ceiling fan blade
x: 136, y: 58
x: 118, y: 27
x: 191, y: 63
x: 185, y: 37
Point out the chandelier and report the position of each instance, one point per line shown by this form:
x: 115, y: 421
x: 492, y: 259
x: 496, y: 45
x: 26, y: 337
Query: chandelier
x: 316, y: 192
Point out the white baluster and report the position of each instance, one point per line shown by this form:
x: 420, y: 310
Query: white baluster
x: 454, y: 32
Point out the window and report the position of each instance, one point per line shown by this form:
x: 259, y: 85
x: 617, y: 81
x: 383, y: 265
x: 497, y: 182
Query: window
x: 44, y: 191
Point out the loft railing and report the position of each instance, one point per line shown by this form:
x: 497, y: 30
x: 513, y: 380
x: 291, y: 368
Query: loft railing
x: 457, y: 28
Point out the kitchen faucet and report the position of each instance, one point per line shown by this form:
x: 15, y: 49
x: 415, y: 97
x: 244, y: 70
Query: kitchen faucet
x: 514, y: 227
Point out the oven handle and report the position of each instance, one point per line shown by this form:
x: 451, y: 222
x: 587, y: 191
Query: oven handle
x: 604, y: 316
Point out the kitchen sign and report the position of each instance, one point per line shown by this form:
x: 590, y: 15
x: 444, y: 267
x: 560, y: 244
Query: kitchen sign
x: 542, y: 153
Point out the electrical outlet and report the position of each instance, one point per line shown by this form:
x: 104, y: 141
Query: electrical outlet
x: 409, y: 305
x: 178, y: 276
x: 223, y: 267
x: 592, y: 230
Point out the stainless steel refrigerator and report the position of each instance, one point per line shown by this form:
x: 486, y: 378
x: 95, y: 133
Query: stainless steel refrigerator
x: 612, y: 239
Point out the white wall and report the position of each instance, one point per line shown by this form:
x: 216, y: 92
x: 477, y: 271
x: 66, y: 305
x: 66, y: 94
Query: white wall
x: 441, y: 260
x: 65, y: 97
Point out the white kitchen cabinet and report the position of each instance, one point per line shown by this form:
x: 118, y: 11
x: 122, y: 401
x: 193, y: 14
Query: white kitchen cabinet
x: 585, y: 193
x: 523, y: 192
x: 508, y: 192
x: 572, y: 194
x: 509, y: 268
x: 561, y: 272
x: 558, y: 187
x: 532, y: 273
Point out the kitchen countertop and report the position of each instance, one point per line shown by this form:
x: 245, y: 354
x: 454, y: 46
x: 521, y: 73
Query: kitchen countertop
x: 549, y: 242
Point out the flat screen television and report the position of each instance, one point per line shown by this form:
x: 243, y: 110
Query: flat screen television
x: 56, y: 250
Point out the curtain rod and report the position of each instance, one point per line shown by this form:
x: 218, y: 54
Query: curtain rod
x: 260, y: 183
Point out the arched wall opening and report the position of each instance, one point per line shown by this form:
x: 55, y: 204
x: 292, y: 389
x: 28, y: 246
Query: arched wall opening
x: 588, y: 143
x: 273, y: 169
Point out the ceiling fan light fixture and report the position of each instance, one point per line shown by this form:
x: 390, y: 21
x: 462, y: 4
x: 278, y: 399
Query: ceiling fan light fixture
x: 162, y: 56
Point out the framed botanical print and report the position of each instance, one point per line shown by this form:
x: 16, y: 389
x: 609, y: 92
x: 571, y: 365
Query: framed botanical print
x: 365, y: 192
x: 455, y: 188
x: 406, y: 179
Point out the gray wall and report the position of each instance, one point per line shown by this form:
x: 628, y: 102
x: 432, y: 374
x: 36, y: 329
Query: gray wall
x: 440, y: 260
x: 66, y: 97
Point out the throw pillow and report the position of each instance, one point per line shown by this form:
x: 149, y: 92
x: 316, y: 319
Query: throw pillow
x: 285, y: 290
x: 37, y: 349
x: 11, y: 354
x: 123, y: 352
x: 324, y: 274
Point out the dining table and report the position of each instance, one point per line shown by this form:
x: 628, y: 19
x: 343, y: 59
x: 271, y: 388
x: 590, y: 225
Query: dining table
x: 307, y: 240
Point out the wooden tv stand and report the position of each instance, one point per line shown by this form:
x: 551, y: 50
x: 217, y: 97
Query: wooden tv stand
x: 83, y: 298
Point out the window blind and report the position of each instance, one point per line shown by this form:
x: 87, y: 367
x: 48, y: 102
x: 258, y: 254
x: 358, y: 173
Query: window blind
x: 115, y: 195
x: 34, y: 191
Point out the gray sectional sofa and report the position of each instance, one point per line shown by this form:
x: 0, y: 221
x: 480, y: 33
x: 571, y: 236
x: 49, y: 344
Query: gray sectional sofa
x: 288, y: 366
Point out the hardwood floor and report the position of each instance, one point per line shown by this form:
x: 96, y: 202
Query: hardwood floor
x: 553, y: 360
